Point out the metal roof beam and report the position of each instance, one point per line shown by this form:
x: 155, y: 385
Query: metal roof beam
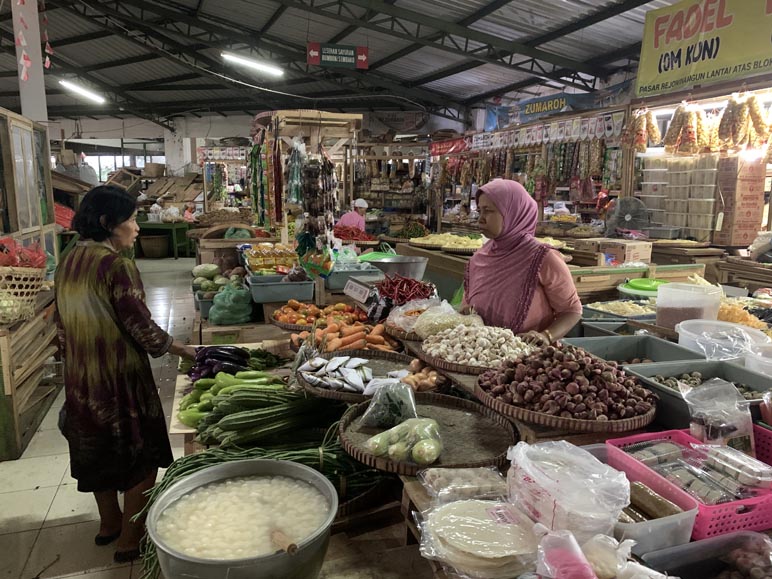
x: 175, y: 87
x: 593, y: 18
x: 273, y: 19
x: 121, y: 62
x: 160, y: 81
x: 82, y: 38
x: 445, y: 72
x: 226, y: 33
x: 350, y: 29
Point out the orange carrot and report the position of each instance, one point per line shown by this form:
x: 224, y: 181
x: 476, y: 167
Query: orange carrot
x: 378, y: 330
x: 333, y: 328
x: 333, y: 335
x: 295, y: 338
x: 373, y: 339
x: 319, y: 334
x: 334, y: 345
x: 304, y: 334
x: 380, y: 347
x: 346, y: 331
x: 358, y: 345
x: 354, y: 338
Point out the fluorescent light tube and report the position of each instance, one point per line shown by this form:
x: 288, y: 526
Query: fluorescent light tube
x: 85, y: 93
x: 254, y: 64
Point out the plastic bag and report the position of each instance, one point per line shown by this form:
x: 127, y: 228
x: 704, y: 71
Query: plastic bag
x: 738, y: 466
x: 751, y: 557
x: 561, y: 558
x: 231, y: 306
x: 606, y: 555
x: 479, y: 539
x: 392, y: 404
x: 633, y: 570
x: 416, y: 439
x: 729, y: 344
x: 405, y: 317
x: 565, y: 487
x: 453, y: 484
x: 719, y: 415
x: 442, y: 317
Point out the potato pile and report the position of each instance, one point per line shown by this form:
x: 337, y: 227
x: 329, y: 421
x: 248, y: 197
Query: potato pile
x: 568, y: 382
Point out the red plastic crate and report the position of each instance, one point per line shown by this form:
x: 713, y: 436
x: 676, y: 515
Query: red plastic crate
x: 763, y: 440
x: 754, y: 514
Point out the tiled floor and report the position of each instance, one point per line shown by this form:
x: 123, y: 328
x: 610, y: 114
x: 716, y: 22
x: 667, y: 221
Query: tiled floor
x: 46, y: 525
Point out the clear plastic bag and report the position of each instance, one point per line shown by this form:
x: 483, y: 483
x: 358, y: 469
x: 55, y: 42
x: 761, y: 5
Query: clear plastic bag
x: 416, y: 440
x: 606, y: 555
x: 561, y: 558
x: 565, y: 487
x: 479, y: 539
x: 443, y: 317
x: 752, y: 558
x: 740, y: 467
x: 729, y: 344
x: 719, y: 415
x: 231, y: 306
x: 633, y: 570
x: 405, y: 317
x: 392, y: 404
x: 452, y: 484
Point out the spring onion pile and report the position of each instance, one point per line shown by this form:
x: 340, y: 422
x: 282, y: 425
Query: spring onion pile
x: 349, y: 477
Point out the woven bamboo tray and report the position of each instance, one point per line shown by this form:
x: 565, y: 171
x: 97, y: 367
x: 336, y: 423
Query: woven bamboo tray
x: 450, y: 366
x: 460, y: 250
x: 432, y: 246
x: 563, y: 424
x: 291, y: 327
x: 385, y: 362
x: 472, y: 435
x: 368, y: 244
x: 395, y: 332
x: 390, y: 239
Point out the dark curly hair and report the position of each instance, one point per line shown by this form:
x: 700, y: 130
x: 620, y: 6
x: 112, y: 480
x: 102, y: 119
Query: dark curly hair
x: 102, y: 210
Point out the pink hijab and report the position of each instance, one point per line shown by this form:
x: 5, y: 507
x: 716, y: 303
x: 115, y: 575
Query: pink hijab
x: 502, y: 277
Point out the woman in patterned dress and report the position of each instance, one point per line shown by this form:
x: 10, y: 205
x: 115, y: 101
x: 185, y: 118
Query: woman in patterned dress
x: 112, y: 416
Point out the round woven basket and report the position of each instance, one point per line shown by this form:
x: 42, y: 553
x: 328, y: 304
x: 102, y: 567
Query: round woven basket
x: 395, y: 332
x: 559, y: 423
x: 291, y: 327
x: 19, y: 286
x: 460, y: 250
x: 154, y: 246
x: 400, y: 361
x: 390, y: 239
x: 450, y: 366
x: 472, y: 435
x: 367, y: 244
x: 432, y: 246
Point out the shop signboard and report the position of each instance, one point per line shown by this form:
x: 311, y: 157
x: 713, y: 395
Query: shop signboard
x: 337, y: 55
x: 440, y: 148
x: 700, y: 42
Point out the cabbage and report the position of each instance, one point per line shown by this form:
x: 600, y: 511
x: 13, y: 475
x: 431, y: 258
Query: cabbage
x: 209, y: 286
x: 220, y: 280
x: 207, y: 270
x: 199, y: 280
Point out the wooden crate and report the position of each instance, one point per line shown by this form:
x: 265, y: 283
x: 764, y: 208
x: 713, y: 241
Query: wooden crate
x: 126, y: 180
x: 27, y: 390
x: 240, y: 334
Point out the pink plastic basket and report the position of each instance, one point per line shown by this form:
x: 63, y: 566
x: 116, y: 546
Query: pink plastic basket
x: 754, y: 514
x: 763, y: 440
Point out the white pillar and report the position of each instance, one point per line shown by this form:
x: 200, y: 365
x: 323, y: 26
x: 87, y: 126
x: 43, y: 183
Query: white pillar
x: 26, y: 26
x: 177, y: 151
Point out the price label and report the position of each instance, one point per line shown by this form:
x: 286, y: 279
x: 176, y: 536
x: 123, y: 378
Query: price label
x: 356, y: 291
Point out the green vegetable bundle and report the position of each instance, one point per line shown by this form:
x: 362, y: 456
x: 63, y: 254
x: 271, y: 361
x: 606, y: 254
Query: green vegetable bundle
x: 416, y: 439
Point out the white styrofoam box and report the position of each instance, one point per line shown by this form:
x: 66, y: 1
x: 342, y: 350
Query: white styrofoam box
x: 678, y: 192
x: 704, y: 206
x: 676, y: 219
x: 653, y: 201
x: 704, y: 177
x: 677, y: 205
x: 679, y: 177
x: 700, y: 221
x: 653, y: 188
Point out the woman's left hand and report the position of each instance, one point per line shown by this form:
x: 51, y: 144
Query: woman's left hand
x: 535, y: 338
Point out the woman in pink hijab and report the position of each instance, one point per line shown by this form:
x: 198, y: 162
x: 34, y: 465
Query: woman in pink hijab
x: 515, y: 281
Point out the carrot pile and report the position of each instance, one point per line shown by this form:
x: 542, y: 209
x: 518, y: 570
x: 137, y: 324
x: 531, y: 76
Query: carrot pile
x: 341, y: 336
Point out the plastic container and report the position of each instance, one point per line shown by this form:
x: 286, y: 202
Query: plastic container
x: 672, y: 411
x: 676, y: 219
x: 678, y: 192
x: 658, y: 533
x: 701, y: 235
x: 664, y: 232
x: 759, y: 359
x: 654, y: 188
x: 715, y: 334
x: 677, y: 302
x: 254, y: 278
x: 305, y: 563
x: 653, y: 201
x: 624, y: 349
x: 682, y: 163
x: 704, y: 206
x: 750, y: 514
x: 265, y: 293
x: 700, y: 221
x: 677, y: 205
x: 709, y: 162
x: 337, y: 279
x: 203, y: 305
x: 704, y: 177
x: 701, y: 559
x: 656, y: 216
x: 679, y: 178
x: 702, y: 192
x: 598, y: 329
x: 655, y: 175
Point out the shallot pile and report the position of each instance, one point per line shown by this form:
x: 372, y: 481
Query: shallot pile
x: 483, y: 346
x: 568, y: 382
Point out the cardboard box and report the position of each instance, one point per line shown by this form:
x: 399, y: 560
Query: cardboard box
x: 623, y: 250
x: 591, y: 244
x: 741, y: 200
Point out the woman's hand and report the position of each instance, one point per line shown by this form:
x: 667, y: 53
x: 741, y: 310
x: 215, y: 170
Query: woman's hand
x: 183, y: 351
x: 535, y: 338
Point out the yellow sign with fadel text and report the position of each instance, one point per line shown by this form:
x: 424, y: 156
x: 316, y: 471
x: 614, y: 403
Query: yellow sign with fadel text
x: 699, y: 42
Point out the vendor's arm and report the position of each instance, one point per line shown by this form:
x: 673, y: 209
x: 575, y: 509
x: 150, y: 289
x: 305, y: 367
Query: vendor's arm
x: 128, y: 300
x: 558, y: 284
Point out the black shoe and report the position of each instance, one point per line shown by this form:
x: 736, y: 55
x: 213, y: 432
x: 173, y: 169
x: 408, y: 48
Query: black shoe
x: 126, y: 556
x: 103, y: 540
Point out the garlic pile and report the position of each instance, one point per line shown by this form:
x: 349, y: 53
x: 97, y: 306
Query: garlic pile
x: 481, y: 346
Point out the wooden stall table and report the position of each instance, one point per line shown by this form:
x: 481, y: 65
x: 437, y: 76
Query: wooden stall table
x: 670, y: 254
x: 415, y: 498
x: 743, y: 272
x: 177, y: 231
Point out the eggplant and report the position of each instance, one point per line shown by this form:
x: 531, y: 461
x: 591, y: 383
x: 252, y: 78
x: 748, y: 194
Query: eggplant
x: 230, y: 368
x: 223, y: 353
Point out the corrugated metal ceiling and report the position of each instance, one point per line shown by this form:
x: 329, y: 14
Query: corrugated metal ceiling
x: 518, y: 20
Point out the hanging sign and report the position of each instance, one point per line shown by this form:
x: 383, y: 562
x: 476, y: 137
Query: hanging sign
x: 699, y: 42
x: 440, y: 148
x: 337, y: 55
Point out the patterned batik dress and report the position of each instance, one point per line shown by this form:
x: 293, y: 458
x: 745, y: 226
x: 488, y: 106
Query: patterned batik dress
x: 113, y: 420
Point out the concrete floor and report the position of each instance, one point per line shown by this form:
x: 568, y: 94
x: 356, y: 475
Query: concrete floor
x: 46, y: 525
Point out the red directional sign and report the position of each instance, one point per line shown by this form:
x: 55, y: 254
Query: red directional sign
x: 363, y: 57
x: 337, y: 55
x: 314, y: 53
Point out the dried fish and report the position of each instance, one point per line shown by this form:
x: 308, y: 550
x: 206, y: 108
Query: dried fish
x: 352, y: 377
x: 356, y: 362
x: 336, y: 363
